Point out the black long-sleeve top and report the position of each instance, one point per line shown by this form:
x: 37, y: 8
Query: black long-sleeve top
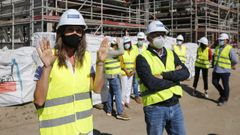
x: 170, y: 78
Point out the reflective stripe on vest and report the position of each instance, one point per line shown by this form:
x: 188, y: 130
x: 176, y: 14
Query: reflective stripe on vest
x: 129, y: 58
x: 65, y: 120
x: 202, y: 58
x: 181, y: 52
x: 112, y: 66
x: 157, y: 67
x: 223, y: 60
x: 65, y: 100
x: 68, y: 106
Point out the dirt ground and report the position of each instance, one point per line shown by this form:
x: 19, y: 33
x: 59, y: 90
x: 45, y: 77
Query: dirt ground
x: 202, y: 116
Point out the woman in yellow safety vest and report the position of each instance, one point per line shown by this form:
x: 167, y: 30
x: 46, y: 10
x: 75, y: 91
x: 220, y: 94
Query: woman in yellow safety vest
x: 128, y: 70
x: 204, y: 56
x: 62, y: 95
x: 180, y: 49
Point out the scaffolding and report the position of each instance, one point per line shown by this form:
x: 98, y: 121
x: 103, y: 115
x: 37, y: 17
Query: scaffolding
x: 191, y: 18
x: 21, y: 18
x: 197, y: 18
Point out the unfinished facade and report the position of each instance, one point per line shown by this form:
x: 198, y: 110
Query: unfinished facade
x: 191, y: 18
x: 21, y: 18
x: 197, y: 18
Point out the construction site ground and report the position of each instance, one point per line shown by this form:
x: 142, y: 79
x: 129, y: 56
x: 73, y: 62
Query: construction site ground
x: 202, y: 116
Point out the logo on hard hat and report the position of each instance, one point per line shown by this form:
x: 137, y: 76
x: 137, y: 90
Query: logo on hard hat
x: 73, y: 16
x: 159, y: 25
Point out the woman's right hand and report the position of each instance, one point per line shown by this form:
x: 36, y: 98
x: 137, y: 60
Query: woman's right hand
x: 45, y: 53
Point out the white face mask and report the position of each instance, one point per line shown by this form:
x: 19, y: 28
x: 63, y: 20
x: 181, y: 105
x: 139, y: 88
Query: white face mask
x: 159, y: 42
x: 221, y: 42
x: 140, y: 43
x: 179, y: 42
x: 127, y: 46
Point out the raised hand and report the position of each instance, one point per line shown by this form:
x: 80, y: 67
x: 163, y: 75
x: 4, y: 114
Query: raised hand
x: 119, y: 41
x: 45, y: 53
x: 103, y: 50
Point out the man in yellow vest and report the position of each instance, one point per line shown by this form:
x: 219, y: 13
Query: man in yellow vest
x: 160, y: 71
x: 112, y: 74
x: 225, y: 59
x: 202, y: 63
x: 139, y: 47
x: 128, y: 70
x: 180, y: 49
x: 62, y: 95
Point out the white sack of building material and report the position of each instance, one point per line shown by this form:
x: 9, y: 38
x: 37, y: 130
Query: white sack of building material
x: 20, y: 87
x: 191, y: 57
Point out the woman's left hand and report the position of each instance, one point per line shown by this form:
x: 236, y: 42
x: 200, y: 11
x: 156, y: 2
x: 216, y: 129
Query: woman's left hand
x: 103, y: 50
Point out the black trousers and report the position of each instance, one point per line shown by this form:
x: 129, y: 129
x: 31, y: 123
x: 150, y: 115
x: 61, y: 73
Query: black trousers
x: 223, y: 91
x: 204, y: 76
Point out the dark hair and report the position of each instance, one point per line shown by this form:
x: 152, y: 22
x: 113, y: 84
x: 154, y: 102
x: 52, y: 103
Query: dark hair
x: 61, y: 48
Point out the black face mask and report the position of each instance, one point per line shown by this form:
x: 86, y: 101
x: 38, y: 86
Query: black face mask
x: 203, y: 46
x: 71, y: 41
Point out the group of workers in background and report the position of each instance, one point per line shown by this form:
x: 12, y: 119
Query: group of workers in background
x: 224, y: 59
x: 63, y: 92
x: 121, y: 74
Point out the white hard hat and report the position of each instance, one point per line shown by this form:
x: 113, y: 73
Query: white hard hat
x: 114, y: 41
x: 141, y: 35
x: 180, y: 37
x: 156, y: 26
x: 72, y: 17
x: 223, y: 36
x: 126, y: 39
x: 203, y: 40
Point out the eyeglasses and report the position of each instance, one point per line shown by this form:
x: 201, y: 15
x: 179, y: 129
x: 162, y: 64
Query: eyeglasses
x: 71, y: 29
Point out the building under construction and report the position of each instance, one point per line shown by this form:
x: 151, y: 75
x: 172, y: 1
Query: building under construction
x: 192, y: 18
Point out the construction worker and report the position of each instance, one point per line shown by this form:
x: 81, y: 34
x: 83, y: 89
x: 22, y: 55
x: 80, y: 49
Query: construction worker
x: 202, y: 63
x: 160, y: 71
x: 62, y: 95
x: 225, y: 59
x: 138, y: 48
x: 112, y: 74
x: 180, y: 49
x: 128, y: 70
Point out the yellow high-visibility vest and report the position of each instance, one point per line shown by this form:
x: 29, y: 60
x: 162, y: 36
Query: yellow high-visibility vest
x: 135, y: 48
x: 112, y: 66
x: 202, y: 58
x: 68, y: 106
x: 128, y: 61
x: 157, y: 67
x: 223, y: 60
x: 181, y: 53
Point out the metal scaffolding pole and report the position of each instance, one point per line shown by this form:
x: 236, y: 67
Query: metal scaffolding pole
x: 146, y: 7
x: 13, y: 21
x: 172, y: 18
x: 206, y: 19
x: 31, y: 12
x: 42, y: 14
x: 196, y: 21
x: 238, y: 22
x: 191, y: 32
x: 101, y: 17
